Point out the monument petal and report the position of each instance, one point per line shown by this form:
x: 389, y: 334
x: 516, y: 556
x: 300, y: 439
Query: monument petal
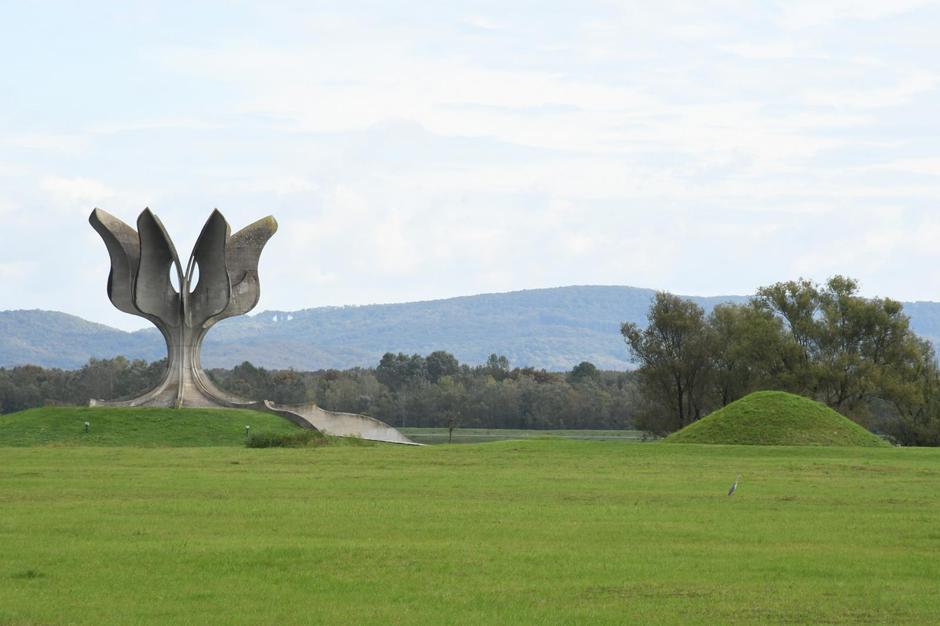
x: 124, y: 249
x: 154, y: 295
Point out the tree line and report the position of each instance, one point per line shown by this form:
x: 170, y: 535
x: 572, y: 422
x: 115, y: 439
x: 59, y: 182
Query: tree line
x: 403, y: 390
x: 858, y: 355
x: 29, y: 386
x: 437, y: 391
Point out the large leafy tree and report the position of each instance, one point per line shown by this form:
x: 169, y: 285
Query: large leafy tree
x: 851, y: 349
x: 441, y: 364
x: 796, y: 302
x: 914, y: 395
x: 673, y: 357
x: 749, y: 350
x: 584, y: 372
x: 861, y: 342
x: 401, y: 371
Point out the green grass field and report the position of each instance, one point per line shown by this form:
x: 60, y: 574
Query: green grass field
x: 480, y: 435
x: 547, y: 531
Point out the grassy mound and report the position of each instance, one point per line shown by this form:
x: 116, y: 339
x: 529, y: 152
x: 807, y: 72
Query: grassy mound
x: 109, y: 426
x: 776, y: 418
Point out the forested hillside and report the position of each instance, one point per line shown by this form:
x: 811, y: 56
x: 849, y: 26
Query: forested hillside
x: 54, y: 339
x: 553, y: 329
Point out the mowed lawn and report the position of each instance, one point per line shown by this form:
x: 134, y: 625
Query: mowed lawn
x: 538, y: 531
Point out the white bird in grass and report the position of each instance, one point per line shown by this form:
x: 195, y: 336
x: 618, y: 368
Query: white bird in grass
x: 734, y: 486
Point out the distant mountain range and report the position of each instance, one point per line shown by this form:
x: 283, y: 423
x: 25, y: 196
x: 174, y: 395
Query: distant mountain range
x: 545, y: 328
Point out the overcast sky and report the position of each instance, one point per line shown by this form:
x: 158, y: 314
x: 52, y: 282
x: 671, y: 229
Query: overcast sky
x: 414, y: 152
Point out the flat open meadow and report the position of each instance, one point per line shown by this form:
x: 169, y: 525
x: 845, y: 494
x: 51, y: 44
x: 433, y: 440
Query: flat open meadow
x: 538, y: 531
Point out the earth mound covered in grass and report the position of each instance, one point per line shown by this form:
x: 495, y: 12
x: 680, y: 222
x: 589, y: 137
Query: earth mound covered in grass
x: 138, y: 427
x: 776, y: 418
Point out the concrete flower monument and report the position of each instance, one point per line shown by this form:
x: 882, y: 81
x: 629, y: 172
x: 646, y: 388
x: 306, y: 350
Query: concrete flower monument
x: 220, y: 280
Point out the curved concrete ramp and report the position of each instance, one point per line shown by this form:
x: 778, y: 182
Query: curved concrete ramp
x: 339, y: 424
x: 304, y: 415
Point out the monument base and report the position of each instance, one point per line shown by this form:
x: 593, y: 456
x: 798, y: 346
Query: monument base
x: 202, y: 394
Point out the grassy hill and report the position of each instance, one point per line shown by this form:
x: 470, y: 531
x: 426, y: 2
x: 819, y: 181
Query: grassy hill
x: 776, y: 418
x: 546, y: 328
x: 65, y: 426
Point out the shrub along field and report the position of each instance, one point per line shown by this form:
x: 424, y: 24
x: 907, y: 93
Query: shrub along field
x: 536, y: 531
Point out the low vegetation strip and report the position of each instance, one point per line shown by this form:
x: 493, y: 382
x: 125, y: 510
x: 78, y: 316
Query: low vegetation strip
x: 299, y: 439
x: 776, y: 418
x: 112, y: 426
x: 480, y: 435
x: 546, y: 531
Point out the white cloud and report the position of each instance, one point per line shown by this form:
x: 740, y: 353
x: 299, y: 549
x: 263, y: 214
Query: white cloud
x: 10, y: 169
x: 928, y: 166
x: 483, y: 23
x: 772, y: 50
x: 183, y: 123
x: 812, y: 13
x: 57, y: 143
x: 76, y: 193
x: 16, y: 271
x: 902, y: 92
